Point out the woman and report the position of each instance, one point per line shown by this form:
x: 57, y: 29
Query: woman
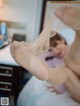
x: 70, y: 73
x: 41, y: 93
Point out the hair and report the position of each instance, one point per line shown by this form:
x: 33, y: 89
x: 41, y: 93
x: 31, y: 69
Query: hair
x: 55, y: 38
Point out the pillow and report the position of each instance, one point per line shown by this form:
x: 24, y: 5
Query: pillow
x: 68, y: 34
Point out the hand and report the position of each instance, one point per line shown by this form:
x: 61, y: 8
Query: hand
x: 52, y: 89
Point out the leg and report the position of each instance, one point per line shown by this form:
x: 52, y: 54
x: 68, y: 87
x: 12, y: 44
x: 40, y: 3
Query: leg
x: 26, y: 59
x: 23, y: 56
x: 71, y: 17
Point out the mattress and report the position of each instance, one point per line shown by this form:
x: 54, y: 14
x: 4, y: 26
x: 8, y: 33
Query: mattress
x: 35, y: 93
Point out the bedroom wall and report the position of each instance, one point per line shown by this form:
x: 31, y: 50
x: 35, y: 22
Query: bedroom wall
x: 26, y: 13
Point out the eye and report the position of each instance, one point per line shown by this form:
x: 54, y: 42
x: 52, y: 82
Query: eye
x: 54, y: 44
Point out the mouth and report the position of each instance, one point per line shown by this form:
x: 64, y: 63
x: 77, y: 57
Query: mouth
x: 48, y: 58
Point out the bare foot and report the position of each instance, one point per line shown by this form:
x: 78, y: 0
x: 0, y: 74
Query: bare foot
x: 70, y: 16
x: 19, y: 51
x: 23, y: 56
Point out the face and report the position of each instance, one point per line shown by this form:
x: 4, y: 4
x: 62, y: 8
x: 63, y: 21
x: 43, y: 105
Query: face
x: 58, y: 49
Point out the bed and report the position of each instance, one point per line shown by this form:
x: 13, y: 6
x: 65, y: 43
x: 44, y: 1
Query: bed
x: 35, y: 92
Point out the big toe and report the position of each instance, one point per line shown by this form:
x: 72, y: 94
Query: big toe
x: 16, y: 44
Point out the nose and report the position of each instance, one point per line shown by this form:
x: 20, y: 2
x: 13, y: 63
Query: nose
x: 56, y: 51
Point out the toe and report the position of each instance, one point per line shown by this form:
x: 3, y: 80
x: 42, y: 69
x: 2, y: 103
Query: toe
x: 16, y: 44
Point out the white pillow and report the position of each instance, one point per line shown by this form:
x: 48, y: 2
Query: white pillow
x: 68, y: 34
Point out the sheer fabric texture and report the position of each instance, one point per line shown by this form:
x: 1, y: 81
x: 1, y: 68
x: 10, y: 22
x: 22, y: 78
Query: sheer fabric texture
x: 41, y: 44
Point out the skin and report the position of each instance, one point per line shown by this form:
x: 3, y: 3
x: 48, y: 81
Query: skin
x: 72, y: 60
x: 69, y: 74
x: 59, y: 50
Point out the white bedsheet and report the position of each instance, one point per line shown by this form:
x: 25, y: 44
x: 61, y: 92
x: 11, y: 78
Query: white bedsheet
x: 35, y: 93
x: 5, y: 57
